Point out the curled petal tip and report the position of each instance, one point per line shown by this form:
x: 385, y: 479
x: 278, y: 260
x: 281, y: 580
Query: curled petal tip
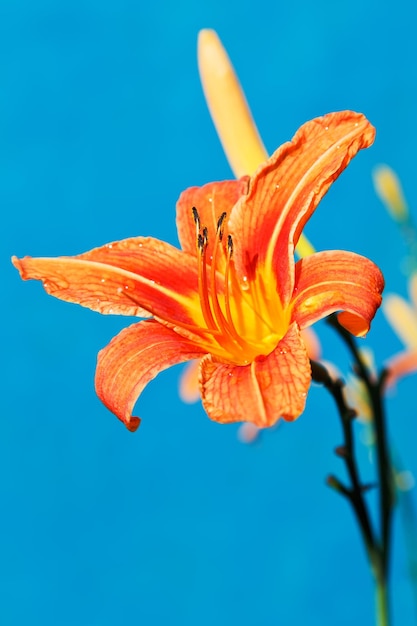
x: 133, y: 424
x: 16, y: 262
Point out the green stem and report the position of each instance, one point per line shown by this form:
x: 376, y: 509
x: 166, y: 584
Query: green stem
x: 381, y: 602
x: 387, y: 492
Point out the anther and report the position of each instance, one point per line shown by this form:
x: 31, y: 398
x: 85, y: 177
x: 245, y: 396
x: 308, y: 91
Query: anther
x: 196, y: 217
x: 205, y: 236
x: 230, y: 245
x: 220, y: 225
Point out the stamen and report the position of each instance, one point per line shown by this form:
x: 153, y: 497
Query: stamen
x: 202, y: 281
x: 196, y: 217
x: 230, y: 246
x: 248, y: 297
x: 225, y: 323
x: 218, y: 313
x: 226, y: 281
x: 220, y: 225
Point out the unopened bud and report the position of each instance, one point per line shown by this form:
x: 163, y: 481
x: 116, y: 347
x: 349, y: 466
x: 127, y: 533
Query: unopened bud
x: 341, y: 451
x: 389, y: 190
x: 334, y: 483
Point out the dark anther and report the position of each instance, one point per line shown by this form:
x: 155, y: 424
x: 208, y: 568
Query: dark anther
x: 205, y: 236
x: 230, y: 245
x: 220, y: 225
x: 196, y: 216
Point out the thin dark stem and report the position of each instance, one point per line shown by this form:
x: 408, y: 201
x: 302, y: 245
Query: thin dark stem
x: 387, y: 492
x: 355, y: 494
x: 386, y: 487
x: 380, y: 555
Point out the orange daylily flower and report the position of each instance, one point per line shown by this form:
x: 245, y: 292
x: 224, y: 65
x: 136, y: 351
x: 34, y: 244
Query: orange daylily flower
x: 242, y: 146
x: 233, y: 296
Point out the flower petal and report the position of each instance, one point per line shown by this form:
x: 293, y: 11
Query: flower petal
x: 248, y: 433
x: 403, y: 319
x: 189, y: 390
x: 228, y: 107
x: 312, y: 343
x: 400, y: 365
x: 284, y: 192
x: 211, y: 201
x: 337, y: 281
x: 269, y: 388
x: 139, y: 276
x: 132, y: 359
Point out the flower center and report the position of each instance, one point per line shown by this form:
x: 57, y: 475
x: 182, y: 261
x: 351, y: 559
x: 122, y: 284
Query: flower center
x: 245, y: 316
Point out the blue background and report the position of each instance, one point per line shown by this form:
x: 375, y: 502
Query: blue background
x: 102, y: 124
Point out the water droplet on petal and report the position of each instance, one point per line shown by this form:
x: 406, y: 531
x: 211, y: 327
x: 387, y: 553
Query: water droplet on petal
x: 245, y: 284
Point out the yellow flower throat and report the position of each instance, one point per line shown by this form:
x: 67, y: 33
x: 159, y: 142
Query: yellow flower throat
x: 244, y: 317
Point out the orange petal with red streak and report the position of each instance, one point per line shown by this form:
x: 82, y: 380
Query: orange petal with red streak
x: 337, y: 281
x: 286, y: 190
x: 269, y: 388
x: 132, y: 359
x: 139, y: 276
